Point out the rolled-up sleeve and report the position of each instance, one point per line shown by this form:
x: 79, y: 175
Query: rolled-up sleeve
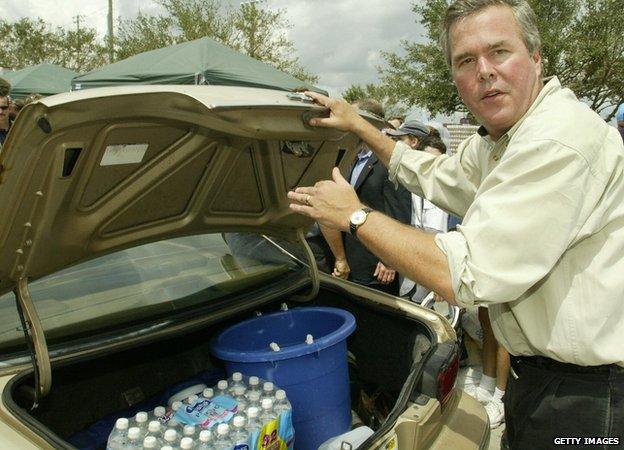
x: 527, y: 212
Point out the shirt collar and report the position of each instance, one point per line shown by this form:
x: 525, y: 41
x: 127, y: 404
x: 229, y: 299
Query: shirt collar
x: 552, y: 85
x: 365, y: 153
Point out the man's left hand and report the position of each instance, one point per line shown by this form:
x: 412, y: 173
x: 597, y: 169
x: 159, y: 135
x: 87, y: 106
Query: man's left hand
x: 329, y: 202
x: 385, y: 275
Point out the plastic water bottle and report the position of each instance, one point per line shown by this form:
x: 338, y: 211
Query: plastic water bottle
x: 241, y: 400
x: 189, y: 431
x: 119, y: 436
x: 208, y: 393
x: 223, y: 441
x: 253, y: 424
x: 268, y: 414
x: 150, y: 442
x: 158, y: 412
x: 171, y: 438
x: 205, y: 440
x: 268, y: 391
x: 135, y: 439
x: 239, y: 433
x: 237, y: 381
x: 254, y: 399
x: 281, y: 402
x: 254, y: 384
x: 155, y: 429
x: 140, y: 420
x: 222, y: 388
x: 187, y: 443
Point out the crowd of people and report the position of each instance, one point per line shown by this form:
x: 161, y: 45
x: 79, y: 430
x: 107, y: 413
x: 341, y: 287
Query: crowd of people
x: 10, y: 108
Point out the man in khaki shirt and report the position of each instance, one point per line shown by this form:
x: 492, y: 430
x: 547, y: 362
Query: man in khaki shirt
x: 541, y: 189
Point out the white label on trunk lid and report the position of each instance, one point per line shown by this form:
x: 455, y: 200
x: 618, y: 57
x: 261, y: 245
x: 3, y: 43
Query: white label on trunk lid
x: 123, y: 154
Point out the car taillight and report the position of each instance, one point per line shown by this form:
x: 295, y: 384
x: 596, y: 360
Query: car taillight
x: 446, y: 378
x: 440, y: 372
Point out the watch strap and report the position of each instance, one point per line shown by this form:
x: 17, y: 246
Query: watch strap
x: 353, y: 227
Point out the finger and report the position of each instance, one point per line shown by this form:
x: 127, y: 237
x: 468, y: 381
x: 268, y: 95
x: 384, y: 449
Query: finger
x: 304, y: 190
x: 338, y: 178
x: 302, y: 198
x: 377, y: 271
x: 318, y: 98
x: 302, y: 209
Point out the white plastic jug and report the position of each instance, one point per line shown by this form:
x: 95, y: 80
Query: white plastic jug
x: 355, y: 438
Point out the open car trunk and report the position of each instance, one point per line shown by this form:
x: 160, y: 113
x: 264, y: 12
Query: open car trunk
x: 384, y: 349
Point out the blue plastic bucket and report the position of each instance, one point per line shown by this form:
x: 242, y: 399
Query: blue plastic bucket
x: 315, y: 376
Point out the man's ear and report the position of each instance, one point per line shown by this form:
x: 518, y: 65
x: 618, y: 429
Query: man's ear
x: 537, y: 59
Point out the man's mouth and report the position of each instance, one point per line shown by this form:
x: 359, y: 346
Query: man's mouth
x: 491, y: 94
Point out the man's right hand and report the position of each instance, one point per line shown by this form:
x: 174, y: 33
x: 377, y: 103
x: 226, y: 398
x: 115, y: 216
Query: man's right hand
x: 341, y: 268
x: 341, y: 114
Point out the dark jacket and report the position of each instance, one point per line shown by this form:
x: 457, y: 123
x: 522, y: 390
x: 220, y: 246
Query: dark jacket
x: 375, y: 190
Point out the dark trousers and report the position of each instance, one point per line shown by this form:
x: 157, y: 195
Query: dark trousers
x: 550, y: 400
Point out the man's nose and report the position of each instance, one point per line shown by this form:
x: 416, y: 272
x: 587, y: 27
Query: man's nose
x: 485, y: 69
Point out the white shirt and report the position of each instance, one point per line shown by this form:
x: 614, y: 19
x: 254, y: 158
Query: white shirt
x: 542, y: 240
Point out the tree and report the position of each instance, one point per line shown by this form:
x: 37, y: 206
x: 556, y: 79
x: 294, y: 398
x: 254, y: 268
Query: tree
x: 356, y: 92
x: 581, y: 44
x: 31, y: 41
x: 250, y: 28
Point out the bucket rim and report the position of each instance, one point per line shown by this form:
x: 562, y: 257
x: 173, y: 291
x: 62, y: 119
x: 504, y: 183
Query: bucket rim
x: 290, y: 352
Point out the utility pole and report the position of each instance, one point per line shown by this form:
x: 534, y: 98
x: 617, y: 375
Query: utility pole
x: 111, y: 54
x: 77, y: 20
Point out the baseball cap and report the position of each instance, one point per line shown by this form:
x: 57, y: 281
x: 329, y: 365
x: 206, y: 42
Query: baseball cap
x: 410, y: 127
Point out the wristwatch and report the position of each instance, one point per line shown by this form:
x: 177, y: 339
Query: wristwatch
x: 357, y: 219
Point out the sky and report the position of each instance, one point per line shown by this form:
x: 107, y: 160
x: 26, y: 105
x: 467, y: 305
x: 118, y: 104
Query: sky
x: 338, y: 40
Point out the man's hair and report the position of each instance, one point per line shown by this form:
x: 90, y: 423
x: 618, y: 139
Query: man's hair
x: 433, y: 140
x: 460, y: 9
x: 371, y: 106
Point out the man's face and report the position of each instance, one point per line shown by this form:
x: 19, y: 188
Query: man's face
x: 4, y: 112
x: 495, y: 75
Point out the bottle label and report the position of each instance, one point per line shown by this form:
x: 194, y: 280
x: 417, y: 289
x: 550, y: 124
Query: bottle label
x: 269, y: 438
x: 207, y: 413
x: 286, y: 430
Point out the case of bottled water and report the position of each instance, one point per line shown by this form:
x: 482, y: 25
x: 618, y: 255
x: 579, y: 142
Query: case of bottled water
x: 240, y: 413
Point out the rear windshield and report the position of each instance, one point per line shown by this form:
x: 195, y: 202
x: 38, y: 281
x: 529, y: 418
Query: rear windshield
x: 148, y: 282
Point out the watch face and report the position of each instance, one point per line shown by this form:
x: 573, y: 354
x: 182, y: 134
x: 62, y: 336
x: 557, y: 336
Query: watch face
x: 358, y: 217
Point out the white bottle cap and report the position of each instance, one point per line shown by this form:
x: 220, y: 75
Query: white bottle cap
x: 166, y: 447
x: 254, y: 396
x: 268, y: 386
x: 205, y: 435
x: 149, y: 442
x: 154, y: 426
x: 239, y: 390
x: 237, y: 376
x: 208, y: 393
x: 141, y: 417
x: 222, y: 385
x: 192, y: 399
x: 176, y: 405
x: 134, y: 433
x: 171, y: 435
x: 159, y: 411
x: 252, y: 411
x: 267, y: 403
x: 254, y: 381
x: 309, y: 339
x: 284, y: 307
x: 122, y: 423
x: 239, y: 421
x: 280, y: 394
x: 186, y: 443
x: 188, y: 430
x: 223, y: 429
x: 274, y: 346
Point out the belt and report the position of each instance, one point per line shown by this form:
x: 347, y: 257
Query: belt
x: 542, y: 362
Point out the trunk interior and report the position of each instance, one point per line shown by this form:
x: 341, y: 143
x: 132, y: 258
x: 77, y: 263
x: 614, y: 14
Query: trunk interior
x: 382, y: 352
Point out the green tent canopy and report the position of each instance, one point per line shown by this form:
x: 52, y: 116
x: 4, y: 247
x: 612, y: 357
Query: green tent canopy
x: 202, y: 61
x: 44, y: 79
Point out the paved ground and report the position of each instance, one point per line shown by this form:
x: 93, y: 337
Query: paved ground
x: 474, y: 359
